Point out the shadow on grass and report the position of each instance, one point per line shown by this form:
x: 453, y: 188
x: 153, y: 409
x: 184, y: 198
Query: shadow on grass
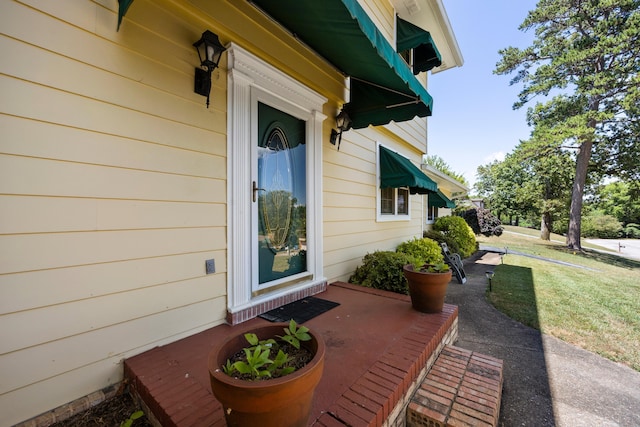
x: 604, y: 257
x: 514, y: 293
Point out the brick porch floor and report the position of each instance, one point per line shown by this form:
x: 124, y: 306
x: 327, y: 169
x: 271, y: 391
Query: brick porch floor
x: 377, y: 350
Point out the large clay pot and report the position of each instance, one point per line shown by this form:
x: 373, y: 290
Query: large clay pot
x: 278, y: 402
x: 427, y: 290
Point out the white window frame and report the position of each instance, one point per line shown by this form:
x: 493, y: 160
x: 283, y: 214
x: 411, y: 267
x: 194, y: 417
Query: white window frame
x: 395, y: 216
x: 431, y: 219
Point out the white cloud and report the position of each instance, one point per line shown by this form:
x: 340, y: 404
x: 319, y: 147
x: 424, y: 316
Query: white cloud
x: 498, y: 155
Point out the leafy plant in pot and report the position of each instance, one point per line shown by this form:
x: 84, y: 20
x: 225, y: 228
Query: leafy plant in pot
x: 256, y: 378
x: 429, y: 277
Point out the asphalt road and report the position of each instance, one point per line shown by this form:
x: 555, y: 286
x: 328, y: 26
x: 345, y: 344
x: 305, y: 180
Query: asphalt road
x: 628, y: 248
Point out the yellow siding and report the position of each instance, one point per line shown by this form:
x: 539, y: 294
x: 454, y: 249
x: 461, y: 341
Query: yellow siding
x: 113, y: 184
x: 349, y: 203
x: 113, y: 194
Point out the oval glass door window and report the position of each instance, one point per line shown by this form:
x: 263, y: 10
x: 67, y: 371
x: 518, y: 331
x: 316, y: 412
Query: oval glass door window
x: 282, y: 195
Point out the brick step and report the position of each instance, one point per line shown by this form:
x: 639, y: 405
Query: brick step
x: 463, y: 388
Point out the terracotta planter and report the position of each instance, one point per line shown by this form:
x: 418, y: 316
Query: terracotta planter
x: 279, y: 402
x: 427, y: 290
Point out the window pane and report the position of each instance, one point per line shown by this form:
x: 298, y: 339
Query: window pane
x: 403, y: 201
x: 386, y: 201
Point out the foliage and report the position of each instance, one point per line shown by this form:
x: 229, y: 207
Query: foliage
x: 533, y: 182
x: 632, y: 231
x: 620, y: 199
x: 601, y: 226
x: 442, y: 238
x: 129, y: 421
x: 456, y: 228
x: 435, y: 268
x: 585, y: 52
x: 383, y: 270
x: 424, y: 251
x: 439, y: 164
x: 258, y: 363
x: 482, y: 221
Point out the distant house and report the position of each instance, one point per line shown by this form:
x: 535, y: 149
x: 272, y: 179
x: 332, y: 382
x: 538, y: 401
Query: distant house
x: 132, y: 214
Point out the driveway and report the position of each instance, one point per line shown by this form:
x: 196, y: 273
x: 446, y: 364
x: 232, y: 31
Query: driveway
x: 628, y: 248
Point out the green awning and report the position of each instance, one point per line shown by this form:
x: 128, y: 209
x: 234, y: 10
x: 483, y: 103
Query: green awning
x: 439, y: 200
x: 383, y: 86
x: 123, y: 6
x: 398, y: 171
x: 425, y: 52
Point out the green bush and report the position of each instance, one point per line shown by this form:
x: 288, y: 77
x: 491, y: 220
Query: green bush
x: 383, y: 270
x: 441, y: 238
x: 424, y: 251
x: 456, y: 228
x: 601, y: 226
x: 632, y: 231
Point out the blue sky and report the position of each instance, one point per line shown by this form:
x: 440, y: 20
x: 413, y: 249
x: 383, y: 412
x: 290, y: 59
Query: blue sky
x: 473, y: 122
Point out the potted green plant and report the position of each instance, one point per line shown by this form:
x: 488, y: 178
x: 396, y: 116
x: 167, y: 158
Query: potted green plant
x: 260, y: 378
x: 429, y: 277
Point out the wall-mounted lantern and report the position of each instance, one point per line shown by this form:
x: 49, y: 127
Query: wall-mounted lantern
x: 209, y: 51
x: 343, y: 123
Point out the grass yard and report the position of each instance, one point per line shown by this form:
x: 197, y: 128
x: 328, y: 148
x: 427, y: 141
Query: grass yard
x: 596, y: 307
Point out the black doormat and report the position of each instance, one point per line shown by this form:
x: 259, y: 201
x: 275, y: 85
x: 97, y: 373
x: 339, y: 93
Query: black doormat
x: 300, y: 311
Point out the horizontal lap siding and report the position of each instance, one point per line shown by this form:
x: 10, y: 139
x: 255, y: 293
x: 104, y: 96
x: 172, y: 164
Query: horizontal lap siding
x: 349, y: 204
x: 112, y: 196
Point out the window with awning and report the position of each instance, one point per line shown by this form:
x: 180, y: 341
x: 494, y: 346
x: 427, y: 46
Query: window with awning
x: 439, y: 200
x: 411, y: 37
x: 398, y: 171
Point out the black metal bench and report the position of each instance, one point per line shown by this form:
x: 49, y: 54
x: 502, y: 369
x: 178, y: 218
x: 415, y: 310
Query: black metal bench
x: 455, y: 263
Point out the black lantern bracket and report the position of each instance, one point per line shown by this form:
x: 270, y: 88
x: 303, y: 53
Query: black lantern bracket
x: 343, y: 123
x: 210, y: 51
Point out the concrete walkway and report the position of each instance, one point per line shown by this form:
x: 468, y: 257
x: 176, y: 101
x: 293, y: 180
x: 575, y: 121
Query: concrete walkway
x: 547, y: 382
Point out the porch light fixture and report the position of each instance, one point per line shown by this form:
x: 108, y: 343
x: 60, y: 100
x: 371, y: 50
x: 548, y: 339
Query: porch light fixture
x: 343, y: 123
x: 489, y: 275
x: 209, y: 51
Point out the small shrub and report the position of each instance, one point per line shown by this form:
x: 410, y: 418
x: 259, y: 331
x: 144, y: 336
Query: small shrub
x: 441, y: 238
x: 632, y: 231
x: 457, y: 229
x: 482, y: 221
x: 601, y: 226
x: 424, y: 251
x: 383, y: 270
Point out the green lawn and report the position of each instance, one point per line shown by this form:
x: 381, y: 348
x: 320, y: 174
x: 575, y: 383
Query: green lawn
x: 596, y: 307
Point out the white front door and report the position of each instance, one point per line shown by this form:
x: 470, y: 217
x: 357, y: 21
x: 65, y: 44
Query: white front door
x: 274, y: 147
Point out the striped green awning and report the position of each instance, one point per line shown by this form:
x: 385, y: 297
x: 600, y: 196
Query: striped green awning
x: 383, y: 87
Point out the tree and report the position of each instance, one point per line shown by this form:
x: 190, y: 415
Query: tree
x: 439, y: 163
x: 620, y: 199
x: 549, y: 179
x: 533, y: 181
x: 587, y: 52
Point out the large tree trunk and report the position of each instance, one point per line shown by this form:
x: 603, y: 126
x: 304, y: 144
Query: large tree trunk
x: 545, y: 226
x: 575, y: 212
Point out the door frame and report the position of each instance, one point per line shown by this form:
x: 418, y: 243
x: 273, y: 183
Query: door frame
x: 249, y: 80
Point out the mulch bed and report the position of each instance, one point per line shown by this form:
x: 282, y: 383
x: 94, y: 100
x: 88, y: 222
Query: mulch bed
x: 110, y: 413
